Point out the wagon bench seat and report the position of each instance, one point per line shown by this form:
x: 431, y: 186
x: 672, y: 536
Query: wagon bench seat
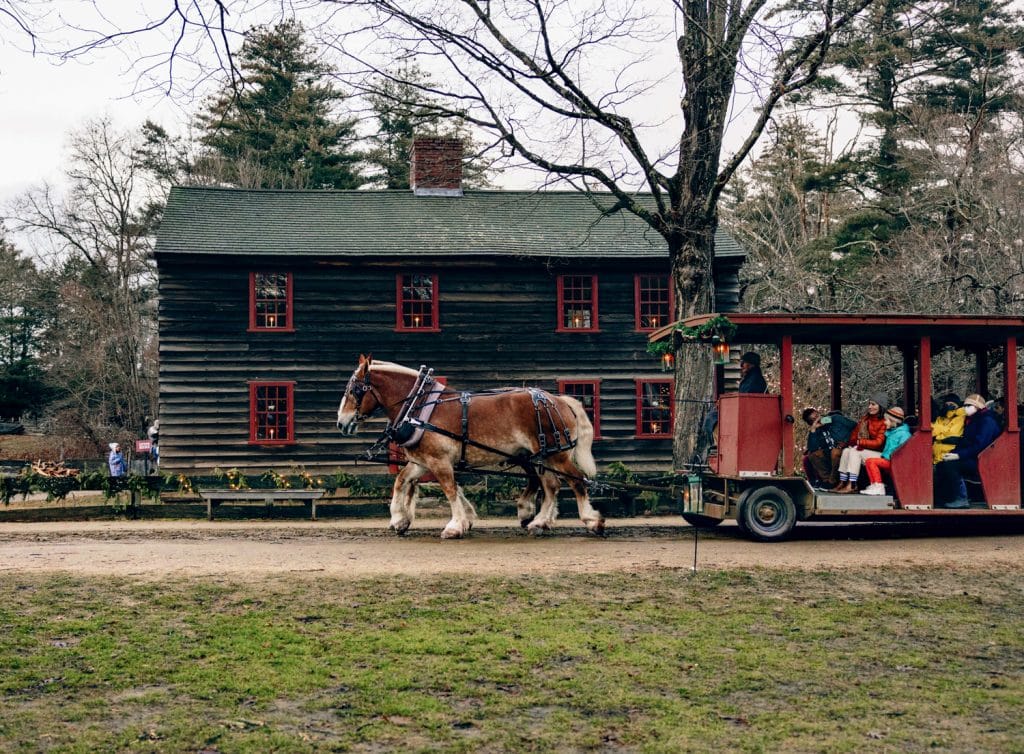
x: 269, y: 497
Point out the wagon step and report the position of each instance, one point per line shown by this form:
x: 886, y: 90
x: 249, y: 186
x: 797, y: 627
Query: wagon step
x: 824, y: 501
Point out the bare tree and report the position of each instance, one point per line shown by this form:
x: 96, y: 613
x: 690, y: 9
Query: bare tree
x: 579, y: 89
x: 569, y: 87
x: 102, y: 279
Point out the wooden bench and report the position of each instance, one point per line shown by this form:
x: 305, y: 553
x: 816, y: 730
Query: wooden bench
x: 268, y: 497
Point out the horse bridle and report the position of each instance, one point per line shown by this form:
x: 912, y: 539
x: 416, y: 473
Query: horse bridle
x: 358, y: 390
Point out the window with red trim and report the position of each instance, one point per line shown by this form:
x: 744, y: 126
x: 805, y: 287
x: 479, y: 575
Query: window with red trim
x: 577, y: 303
x: 587, y: 392
x: 272, y: 413
x: 417, y: 303
x: 270, y: 302
x: 655, y: 405
x: 653, y: 297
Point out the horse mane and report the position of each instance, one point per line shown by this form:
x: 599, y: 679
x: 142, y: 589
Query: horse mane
x: 393, y: 368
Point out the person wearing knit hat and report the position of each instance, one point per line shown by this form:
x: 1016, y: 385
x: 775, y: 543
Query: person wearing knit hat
x: 977, y: 401
x: 866, y: 441
x: 896, y: 434
x: 115, y: 461
x: 980, y: 430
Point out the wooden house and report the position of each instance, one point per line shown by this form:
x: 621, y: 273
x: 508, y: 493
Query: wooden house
x: 268, y: 297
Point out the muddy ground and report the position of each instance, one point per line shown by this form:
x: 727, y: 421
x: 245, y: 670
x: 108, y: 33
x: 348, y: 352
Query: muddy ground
x: 362, y: 547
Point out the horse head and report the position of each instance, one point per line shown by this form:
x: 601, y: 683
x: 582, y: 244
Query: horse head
x: 360, y: 399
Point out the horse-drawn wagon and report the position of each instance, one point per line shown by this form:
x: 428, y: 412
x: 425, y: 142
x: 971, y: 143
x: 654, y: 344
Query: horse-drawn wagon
x: 751, y: 472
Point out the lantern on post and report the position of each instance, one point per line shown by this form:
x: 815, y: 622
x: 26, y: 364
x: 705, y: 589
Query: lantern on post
x: 668, y: 361
x: 719, y: 350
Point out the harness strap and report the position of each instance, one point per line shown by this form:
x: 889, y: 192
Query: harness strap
x: 464, y: 399
x: 559, y: 430
x: 538, y: 401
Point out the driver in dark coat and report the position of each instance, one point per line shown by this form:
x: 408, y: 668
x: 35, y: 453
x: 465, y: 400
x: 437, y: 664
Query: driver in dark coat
x: 751, y: 379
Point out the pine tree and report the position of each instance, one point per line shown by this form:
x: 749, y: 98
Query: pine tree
x: 403, y: 109
x: 277, y: 128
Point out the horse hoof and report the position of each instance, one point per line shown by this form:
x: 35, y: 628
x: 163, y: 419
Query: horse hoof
x: 537, y: 529
x: 451, y: 534
x: 596, y: 527
x: 399, y: 527
x: 525, y: 522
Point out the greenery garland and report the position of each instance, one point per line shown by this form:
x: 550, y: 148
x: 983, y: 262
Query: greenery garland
x: 717, y: 328
x: 58, y: 488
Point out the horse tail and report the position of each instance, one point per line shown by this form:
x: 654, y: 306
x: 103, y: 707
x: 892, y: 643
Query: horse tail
x: 581, y: 454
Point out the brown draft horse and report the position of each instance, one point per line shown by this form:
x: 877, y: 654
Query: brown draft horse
x: 505, y: 421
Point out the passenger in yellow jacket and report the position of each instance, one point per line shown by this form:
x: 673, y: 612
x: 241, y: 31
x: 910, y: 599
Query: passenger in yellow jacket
x: 947, y: 427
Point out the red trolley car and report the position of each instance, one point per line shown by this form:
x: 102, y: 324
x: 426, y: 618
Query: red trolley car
x: 751, y: 475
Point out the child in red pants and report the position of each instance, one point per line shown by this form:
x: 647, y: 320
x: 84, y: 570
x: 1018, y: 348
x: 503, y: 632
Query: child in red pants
x: 896, y: 434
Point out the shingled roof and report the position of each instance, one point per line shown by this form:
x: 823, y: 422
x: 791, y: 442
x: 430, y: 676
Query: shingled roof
x: 397, y: 223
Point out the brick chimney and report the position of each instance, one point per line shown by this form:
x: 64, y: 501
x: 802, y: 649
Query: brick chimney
x: 436, y: 166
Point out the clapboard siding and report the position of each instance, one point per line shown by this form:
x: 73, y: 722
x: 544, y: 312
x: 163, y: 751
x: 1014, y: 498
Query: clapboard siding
x: 497, y: 318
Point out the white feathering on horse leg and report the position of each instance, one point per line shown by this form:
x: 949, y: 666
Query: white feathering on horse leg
x: 468, y: 511
x: 453, y: 530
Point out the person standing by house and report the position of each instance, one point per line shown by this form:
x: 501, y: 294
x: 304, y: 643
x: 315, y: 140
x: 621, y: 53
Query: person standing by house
x: 751, y: 379
x: 115, y: 461
x: 153, y: 433
x: 866, y: 441
x: 896, y: 434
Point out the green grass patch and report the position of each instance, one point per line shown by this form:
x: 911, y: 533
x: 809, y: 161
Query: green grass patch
x: 659, y: 661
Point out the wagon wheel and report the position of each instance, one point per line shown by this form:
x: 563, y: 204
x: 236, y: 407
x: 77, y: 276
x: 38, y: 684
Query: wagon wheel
x: 768, y: 514
x: 701, y: 522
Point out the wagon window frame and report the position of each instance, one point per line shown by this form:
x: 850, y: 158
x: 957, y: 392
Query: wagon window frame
x: 572, y: 295
x: 645, y: 304
x: 595, y: 412
x: 645, y: 420
x: 407, y: 309
x: 273, y: 306
x: 255, y: 424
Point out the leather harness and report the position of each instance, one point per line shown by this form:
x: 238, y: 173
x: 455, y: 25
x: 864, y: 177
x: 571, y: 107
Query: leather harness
x: 426, y: 394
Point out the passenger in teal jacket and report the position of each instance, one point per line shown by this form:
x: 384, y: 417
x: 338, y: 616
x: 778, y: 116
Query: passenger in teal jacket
x: 894, y: 439
x: 896, y: 434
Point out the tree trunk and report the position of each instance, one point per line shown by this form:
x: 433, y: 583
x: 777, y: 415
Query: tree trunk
x: 691, y: 250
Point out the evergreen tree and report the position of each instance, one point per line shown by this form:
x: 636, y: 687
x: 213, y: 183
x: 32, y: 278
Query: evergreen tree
x: 21, y: 319
x: 277, y: 128
x: 976, y: 54
x: 931, y: 79
x: 403, y: 109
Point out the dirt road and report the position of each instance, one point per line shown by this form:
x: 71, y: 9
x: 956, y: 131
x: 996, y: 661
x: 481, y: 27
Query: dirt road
x: 355, y: 548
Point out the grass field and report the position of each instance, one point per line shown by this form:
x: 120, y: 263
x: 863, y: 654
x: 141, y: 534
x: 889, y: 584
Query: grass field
x: 659, y: 661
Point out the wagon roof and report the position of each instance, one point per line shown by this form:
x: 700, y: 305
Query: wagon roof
x: 398, y: 223
x: 964, y: 330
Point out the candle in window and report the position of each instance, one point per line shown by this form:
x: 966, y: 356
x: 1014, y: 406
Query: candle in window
x: 576, y: 320
x: 415, y: 321
x: 271, y: 321
x: 654, y: 321
x: 655, y: 428
x: 271, y: 431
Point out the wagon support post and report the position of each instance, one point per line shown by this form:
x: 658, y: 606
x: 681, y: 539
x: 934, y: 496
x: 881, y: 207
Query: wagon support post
x: 1010, y: 386
x: 924, y: 415
x: 786, y: 380
x: 836, y: 367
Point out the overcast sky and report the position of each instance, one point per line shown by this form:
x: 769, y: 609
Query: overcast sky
x: 40, y: 102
